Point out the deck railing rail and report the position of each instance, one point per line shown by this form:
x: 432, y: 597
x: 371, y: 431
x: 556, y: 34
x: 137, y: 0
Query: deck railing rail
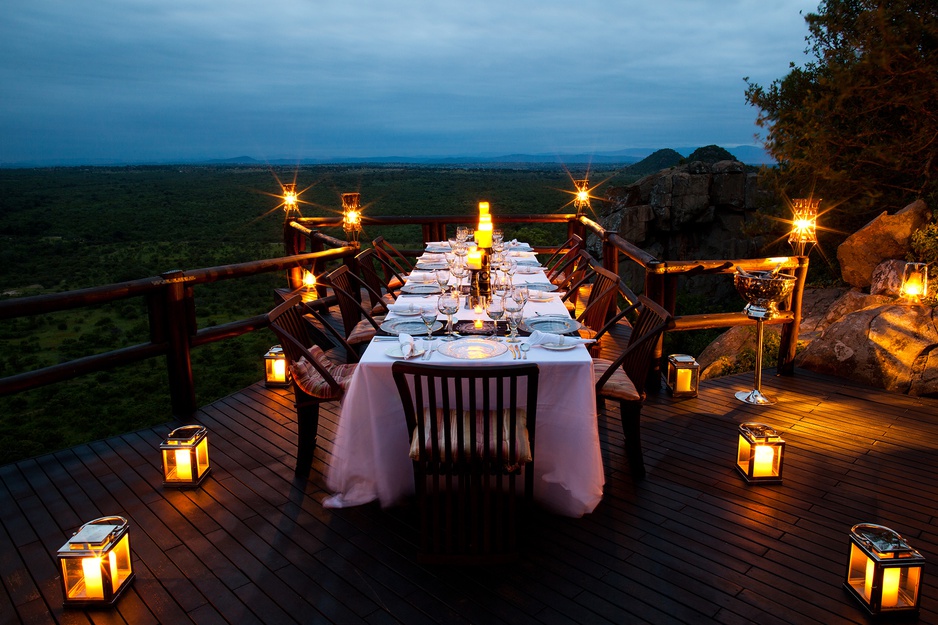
x: 170, y: 297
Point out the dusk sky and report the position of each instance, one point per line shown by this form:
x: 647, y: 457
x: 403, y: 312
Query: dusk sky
x: 144, y: 81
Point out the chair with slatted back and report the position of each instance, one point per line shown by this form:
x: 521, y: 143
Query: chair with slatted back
x: 380, y: 293
x: 359, y: 325
x: 623, y: 380
x: 472, y: 432
x: 627, y: 303
x: 562, y: 272
x: 316, y: 379
x: 574, y: 243
x: 596, y: 309
x: 396, y: 266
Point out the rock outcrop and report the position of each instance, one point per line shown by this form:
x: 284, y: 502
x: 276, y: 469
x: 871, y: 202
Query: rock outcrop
x: 885, y: 237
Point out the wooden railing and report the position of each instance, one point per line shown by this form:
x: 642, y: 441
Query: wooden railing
x: 171, y: 302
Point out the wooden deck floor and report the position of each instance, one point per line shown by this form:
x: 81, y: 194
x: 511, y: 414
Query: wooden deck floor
x: 691, y: 543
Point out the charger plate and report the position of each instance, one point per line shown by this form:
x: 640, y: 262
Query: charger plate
x: 541, y: 286
x: 432, y: 265
x: 551, y: 323
x: 395, y: 352
x: 472, y: 349
x: 527, y: 270
x: 421, y: 289
x: 414, y: 327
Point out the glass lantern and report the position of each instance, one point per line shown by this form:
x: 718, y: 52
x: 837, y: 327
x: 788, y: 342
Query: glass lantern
x: 95, y: 563
x: 185, y: 457
x: 803, y: 224
x: 581, y: 198
x: 351, y: 216
x: 883, y: 572
x: 276, y: 371
x: 683, y: 375
x: 914, y: 281
x: 759, y: 456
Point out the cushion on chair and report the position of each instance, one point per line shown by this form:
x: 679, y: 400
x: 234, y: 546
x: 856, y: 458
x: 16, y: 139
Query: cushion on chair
x: 363, y: 331
x: 522, y: 445
x: 382, y: 307
x: 312, y: 383
x: 618, y: 386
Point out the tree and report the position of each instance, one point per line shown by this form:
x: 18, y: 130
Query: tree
x: 858, y: 124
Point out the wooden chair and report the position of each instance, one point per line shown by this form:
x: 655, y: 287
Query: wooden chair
x: 315, y: 378
x: 623, y: 380
x: 472, y: 432
x: 380, y: 292
x: 596, y: 310
x: 572, y: 245
x: 396, y: 265
x: 359, y: 324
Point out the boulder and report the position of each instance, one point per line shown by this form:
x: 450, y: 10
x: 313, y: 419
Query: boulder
x: 885, y: 237
x: 890, y: 346
x: 728, y: 185
x: 887, y: 278
x: 722, y: 356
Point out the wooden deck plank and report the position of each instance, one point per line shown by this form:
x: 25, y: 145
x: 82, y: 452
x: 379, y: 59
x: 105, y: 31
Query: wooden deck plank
x: 691, y: 543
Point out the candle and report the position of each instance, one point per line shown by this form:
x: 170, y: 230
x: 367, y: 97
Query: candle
x: 474, y: 259
x: 484, y: 234
x: 913, y: 285
x: 183, y: 465
x: 94, y: 588
x: 683, y: 380
x: 477, y: 324
x: 280, y: 369
x: 483, y: 208
x: 765, y: 456
x: 890, y: 596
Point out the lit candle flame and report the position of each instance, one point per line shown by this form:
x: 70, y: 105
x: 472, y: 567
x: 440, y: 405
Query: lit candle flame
x: 309, y: 280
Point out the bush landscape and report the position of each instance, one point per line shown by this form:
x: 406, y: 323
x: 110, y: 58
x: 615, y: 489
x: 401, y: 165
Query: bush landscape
x: 70, y: 228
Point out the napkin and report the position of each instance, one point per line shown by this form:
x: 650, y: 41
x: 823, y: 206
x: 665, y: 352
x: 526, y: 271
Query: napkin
x: 407, y: 344
x: 421, y: 276
x: 409, y: 307
x: 539, y: 338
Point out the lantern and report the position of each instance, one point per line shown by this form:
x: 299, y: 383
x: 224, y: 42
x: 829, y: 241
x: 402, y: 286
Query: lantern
x: 759, y: 456
x: 803, y: 224
x: 290, y: 200
x: 914, y: 281
x: 185, y: 457
x: 683, y: 375
x: 351, y: 216
x: 276, y: 371
x: 95, y: 563
x: 883, y: 572
x: 581, y: 198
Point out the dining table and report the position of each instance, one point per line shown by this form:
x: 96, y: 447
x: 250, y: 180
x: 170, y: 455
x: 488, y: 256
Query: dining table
x: 371, y: 452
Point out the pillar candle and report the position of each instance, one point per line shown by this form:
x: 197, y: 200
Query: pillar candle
x: 474, y: 259
x: 483, y: 208
x: 764, y: 461
x: 683, y: 380
x: 484, y: 234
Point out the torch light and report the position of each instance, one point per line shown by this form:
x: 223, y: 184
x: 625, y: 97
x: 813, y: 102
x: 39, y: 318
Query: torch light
x: 582, y: 198
x: 803, y: 224
x: 290, y: 200
x: 914, y: 281
x: 351, y: 217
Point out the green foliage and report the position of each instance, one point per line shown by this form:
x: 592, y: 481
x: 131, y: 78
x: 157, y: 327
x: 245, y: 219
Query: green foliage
x: 857, y: 124
x: 69, y: 228
x: 655, y: 162
x: 710, y: 154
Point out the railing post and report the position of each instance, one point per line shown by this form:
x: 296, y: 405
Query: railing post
x: 294, y: 242
x: 788, y: 341
x: 177, y: 324
x: 656, y: 288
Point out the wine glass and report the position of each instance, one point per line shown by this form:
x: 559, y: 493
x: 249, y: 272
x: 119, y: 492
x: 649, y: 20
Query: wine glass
x: 519, y: 293
x: 448, y: 304
x: 442, y: 278
x: 495, y: 308
x: 428, y: 316
x: 509, y: 266
x: 498, y: 236
x: 462, y: 233
x: 459, y: 271
x: 514, y: 317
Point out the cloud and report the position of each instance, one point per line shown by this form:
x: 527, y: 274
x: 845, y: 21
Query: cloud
x: 129, y: 79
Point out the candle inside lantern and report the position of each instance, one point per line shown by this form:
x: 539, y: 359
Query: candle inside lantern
x: 765, y: 455
x: 309, y: 280
x: 890, y: 596
x: 477, y: 324
x: 183, y: 464
x: 683, y: 380
x: 474, y: 259
x: 94, y: 586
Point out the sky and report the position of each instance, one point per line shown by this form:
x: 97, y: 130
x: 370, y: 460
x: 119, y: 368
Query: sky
x: 93, y: 81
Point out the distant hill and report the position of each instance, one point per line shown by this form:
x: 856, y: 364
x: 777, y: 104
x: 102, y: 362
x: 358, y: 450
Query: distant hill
x: 656, y: 161
x: 710, y: 154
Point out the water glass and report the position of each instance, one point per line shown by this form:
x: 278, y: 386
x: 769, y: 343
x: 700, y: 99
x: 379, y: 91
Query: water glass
x: 494, y: 308
x: 428, y: 316
x: 514, y: 320
x: 442, y: 278
x: 448, y: 304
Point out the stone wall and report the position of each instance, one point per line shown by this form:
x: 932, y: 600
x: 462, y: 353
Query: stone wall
x: 693, y: 211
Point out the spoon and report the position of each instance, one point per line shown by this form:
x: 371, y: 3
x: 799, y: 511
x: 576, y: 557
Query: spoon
x: 525, y: 347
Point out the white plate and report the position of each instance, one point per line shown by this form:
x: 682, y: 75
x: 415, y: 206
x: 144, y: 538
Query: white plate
x: 431, y: 265
x: 541, y: 286
x: 540, y: 297
x: 557, y: 347
x: 551, y: 324
x: 395, y: 352
x: 472, y: 349
x: 438, y: 249
x: 421, y: 289
x: 406, y: 313
x: 413, y: 327
x: 526, y: 270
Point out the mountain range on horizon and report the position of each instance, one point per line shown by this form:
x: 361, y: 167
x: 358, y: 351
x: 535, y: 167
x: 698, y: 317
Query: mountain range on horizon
x: 748, y: 154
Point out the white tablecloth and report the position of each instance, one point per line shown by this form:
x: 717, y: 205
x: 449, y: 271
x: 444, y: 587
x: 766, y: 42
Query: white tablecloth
x: 370, y: 458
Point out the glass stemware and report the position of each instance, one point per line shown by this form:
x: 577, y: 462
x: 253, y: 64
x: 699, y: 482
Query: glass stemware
x: 519, y: 294
x: 509, y: 266
x: 459, y: 271
x: 448, y: 304
x: 428, y: 316
x: 462, y: 233
x: 442, y: 278
x: 514, y: 320
x: 494, y: 308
